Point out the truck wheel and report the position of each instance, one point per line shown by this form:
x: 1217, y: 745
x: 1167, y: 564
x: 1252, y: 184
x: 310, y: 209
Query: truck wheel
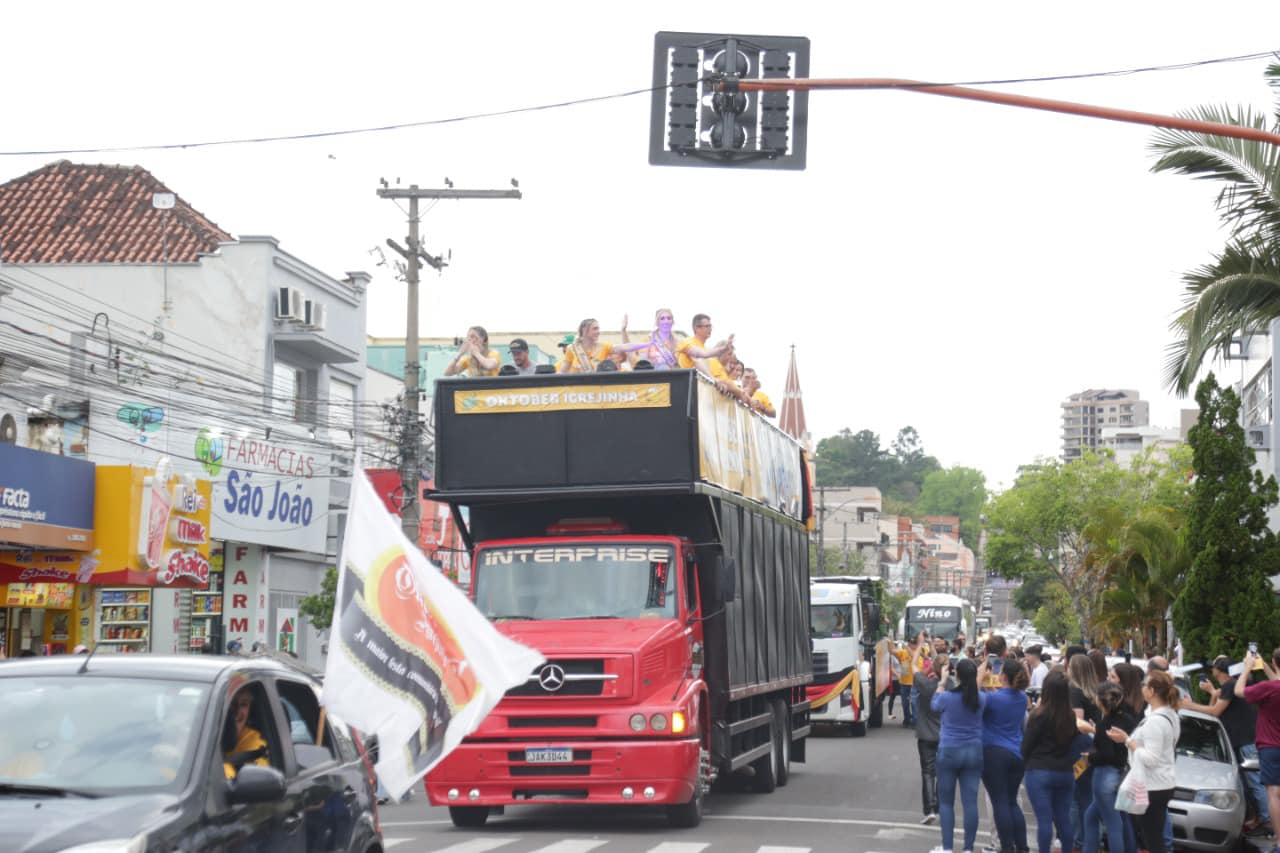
x: 858, y: 729
x: 688, y: 815
x: 766, y: 766
x: 784, y: 741
x: 468, y: 817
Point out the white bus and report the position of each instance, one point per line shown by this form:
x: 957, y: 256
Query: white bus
x: 939, y: 613
x: 844, y: 620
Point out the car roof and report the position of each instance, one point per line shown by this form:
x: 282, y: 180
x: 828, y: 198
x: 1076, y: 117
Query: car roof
x: 201, y: 668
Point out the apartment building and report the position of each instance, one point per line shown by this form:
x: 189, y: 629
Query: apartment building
x: 1086, y: 414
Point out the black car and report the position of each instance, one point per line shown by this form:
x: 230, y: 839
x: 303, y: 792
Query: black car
x: 133, y: 753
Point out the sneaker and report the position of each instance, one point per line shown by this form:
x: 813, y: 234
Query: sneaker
x: 1262, y: 830
x: 930, y: 819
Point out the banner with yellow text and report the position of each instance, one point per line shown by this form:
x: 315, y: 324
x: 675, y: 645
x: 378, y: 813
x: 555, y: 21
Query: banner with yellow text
x: 488, y: 401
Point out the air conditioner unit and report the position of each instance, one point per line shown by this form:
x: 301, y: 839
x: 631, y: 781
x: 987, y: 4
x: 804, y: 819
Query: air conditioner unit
x: 1258, y: 437
x: 289, y: 303
x: 10, y: 424
x: 313, y: 315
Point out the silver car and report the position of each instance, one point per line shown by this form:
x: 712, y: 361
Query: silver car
x: 1207, y: 806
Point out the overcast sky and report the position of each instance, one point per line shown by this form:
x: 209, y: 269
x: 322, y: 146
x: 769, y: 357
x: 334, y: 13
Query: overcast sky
x: 955, y: 266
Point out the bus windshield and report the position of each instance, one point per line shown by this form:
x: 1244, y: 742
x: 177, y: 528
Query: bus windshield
x: 578, y: 581
x: 938, y: 621
x: 829, y: 620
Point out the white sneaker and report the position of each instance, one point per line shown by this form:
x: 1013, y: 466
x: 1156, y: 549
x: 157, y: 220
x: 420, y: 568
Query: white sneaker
x: 930, y: 819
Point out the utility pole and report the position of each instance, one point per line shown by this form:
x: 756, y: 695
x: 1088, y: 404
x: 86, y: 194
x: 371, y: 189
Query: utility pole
x: 822, y: 520
x: 411, y: 428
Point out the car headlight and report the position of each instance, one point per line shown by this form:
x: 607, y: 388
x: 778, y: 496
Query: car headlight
x: 137, y: 844
x: 1225, y: 800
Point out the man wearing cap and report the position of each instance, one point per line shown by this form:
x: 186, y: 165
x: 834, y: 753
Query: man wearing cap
x: 1240, y: 720
x: 520, y: 356
x: 1266, y: 695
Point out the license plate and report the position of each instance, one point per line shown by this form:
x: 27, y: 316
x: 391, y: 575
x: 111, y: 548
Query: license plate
x: 548, y: 755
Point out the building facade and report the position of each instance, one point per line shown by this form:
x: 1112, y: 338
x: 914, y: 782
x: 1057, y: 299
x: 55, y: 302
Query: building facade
x: 1086, y: 414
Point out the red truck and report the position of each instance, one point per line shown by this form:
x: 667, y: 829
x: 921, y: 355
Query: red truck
x: 649, y: 537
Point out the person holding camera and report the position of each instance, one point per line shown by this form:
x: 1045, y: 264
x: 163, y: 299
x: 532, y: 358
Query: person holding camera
x: 928, y: 731
x: 1002, y: 763
x: 959, y: 748
x: 1266, y: 695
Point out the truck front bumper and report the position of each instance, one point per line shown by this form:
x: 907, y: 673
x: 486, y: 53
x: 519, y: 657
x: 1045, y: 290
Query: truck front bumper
x: 496, y: 773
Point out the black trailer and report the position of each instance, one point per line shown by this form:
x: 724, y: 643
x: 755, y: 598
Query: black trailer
x: 664, y: 453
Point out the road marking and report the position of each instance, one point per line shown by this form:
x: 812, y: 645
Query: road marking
x: 572, y: 845
x: 416, y: 822
x: 845, y: 820
x: 679, y: 847
x: 388, y: 843
x: 769, y: 848
x: 478, y: 845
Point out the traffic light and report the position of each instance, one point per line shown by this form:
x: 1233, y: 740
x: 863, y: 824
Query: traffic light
x: 695, y: 121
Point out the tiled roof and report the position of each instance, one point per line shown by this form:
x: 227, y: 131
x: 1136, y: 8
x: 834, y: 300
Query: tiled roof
x: 72, y: 213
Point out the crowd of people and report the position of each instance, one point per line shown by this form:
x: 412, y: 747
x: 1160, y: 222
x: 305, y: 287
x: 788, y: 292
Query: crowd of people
x: 1091, y: 744
x: 661, y: 349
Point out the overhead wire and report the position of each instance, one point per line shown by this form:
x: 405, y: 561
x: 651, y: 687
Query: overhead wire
x: 575, y: 102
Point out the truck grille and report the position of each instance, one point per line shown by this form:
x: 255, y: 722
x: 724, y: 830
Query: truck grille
x: 578, y: 679
x: 820, y: 663
x: 551, y: 722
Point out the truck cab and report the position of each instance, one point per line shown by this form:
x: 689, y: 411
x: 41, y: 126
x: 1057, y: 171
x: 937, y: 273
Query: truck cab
x: 648, y: 536
x: 844, y: 618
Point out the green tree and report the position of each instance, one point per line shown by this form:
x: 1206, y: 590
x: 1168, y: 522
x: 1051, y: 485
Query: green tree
x: 956, y: 491
x: 1030, y: 595
x: 894, y: 605
x: 831, y: 563
x: 851, y: 459
x: 1238, y: 289
x: 1227, y: 599
x: 1056, y: 620
x: 318, y: 608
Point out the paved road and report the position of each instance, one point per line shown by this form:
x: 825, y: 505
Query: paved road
x: 852, y: 795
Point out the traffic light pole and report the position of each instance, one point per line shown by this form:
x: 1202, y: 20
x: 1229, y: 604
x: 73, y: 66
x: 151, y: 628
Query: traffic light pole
x: 1069, y: 107
x: 411, y: 427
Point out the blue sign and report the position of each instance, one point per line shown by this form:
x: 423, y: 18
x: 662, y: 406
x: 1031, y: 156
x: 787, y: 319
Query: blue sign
x: 46, y: 500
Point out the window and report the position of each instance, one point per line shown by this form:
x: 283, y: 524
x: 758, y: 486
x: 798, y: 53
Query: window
x: 302, y: 710
x: 342, y: 409
x: 690, y: 582
x: 254, y: 742
x: 287, y: 385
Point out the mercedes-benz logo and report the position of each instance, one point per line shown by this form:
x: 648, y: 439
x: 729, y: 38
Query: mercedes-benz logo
x: 551, y: 677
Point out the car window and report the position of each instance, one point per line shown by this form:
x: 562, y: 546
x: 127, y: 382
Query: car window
x: 1202, y: 739
x: 248, y: 731
x: 342, y: 738
x: 108, y: 735
x: 302, y: 710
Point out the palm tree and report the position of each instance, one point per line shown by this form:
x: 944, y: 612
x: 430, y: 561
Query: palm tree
x: 1239, y: 291
x: 1141, y: 560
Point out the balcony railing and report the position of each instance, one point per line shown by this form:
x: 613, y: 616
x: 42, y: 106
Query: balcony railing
x: 1255, y: 400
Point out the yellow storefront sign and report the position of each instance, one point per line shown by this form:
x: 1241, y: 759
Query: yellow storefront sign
x: 490, y: 401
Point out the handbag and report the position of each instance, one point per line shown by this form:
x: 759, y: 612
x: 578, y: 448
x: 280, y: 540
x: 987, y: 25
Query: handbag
x: 1131, y: 796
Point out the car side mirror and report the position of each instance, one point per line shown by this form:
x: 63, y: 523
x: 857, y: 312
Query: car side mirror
x: 1249, y: 764
x: 256, y: 784
x: 727, y: 579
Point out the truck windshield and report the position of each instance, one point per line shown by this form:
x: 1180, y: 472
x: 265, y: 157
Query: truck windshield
x: 579, y: 581
x: 829, y: 620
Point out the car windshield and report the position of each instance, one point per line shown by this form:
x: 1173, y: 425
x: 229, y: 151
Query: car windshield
x: 576, y: 581
x: 1202, y: 739
x: 829, y: 620
x: 97, y: 734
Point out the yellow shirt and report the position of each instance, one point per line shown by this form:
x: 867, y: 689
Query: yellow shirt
x: 464, y: 365
x: 763, y: 399
x: 594, y: 357
x: 908, y: 675
x: 682, y: 351
x: 248, y: 741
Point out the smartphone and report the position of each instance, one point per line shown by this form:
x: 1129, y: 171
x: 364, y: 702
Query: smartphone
x: 991, y: 662
x: 1253, y: 648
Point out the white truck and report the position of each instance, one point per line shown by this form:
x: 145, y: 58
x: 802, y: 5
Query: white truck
x: 844, y: 619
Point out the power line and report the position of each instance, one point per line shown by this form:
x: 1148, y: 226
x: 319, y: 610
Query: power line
x: 329, y: 134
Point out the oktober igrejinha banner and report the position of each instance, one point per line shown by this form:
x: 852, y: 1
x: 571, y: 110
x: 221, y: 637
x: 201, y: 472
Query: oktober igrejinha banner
x: 562, y: 398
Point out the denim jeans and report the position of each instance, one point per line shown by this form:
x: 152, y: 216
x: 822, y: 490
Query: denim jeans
x: 910, y: 700
x: 1002, y: 774
x: 1050, y: 792
x: 1081, y: 794
x: 963, y: 765
x: 1253, y: 783
x: 1120, y: 837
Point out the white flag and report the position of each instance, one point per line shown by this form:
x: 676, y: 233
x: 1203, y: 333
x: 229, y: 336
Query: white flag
x: 410, y: 657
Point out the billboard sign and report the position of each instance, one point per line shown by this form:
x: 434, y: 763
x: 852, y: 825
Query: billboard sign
x: 46, y: 500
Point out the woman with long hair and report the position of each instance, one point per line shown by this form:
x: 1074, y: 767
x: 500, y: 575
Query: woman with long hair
x: 1109, y: 760
x: 474, y: 357
x: 586, y: 351
x: 1082, y: 678
x: 1049, y: 756
x: 1129, y: 677
x: 1151, y: 745
x: 959, y: 750
x: 1002, y: 764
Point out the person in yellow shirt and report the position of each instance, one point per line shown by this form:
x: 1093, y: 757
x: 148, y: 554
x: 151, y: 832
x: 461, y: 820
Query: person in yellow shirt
x: 759, y: 400
x: 240, y: 738
x: 694, y: 352
x: 910, y: 658
x: 586, y: 351
x: 474, y: 357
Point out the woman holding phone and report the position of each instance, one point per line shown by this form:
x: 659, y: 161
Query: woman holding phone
x: 959, y: 749
x: 1002, y: 764
x: 1049, y: 756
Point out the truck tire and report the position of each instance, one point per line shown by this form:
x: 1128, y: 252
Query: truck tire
x: 688, y: 815
x: 766, y: 766
x: 858, y: 729
x: 468, y: 817
x: 780, y: 709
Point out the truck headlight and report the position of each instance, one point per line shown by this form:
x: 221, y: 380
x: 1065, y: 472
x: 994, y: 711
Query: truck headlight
x: 1225, y: 800
x: 659, y: 722
x: 637, y: 722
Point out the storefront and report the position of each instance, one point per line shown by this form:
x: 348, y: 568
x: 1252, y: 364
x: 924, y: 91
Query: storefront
x: 46, y: 544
